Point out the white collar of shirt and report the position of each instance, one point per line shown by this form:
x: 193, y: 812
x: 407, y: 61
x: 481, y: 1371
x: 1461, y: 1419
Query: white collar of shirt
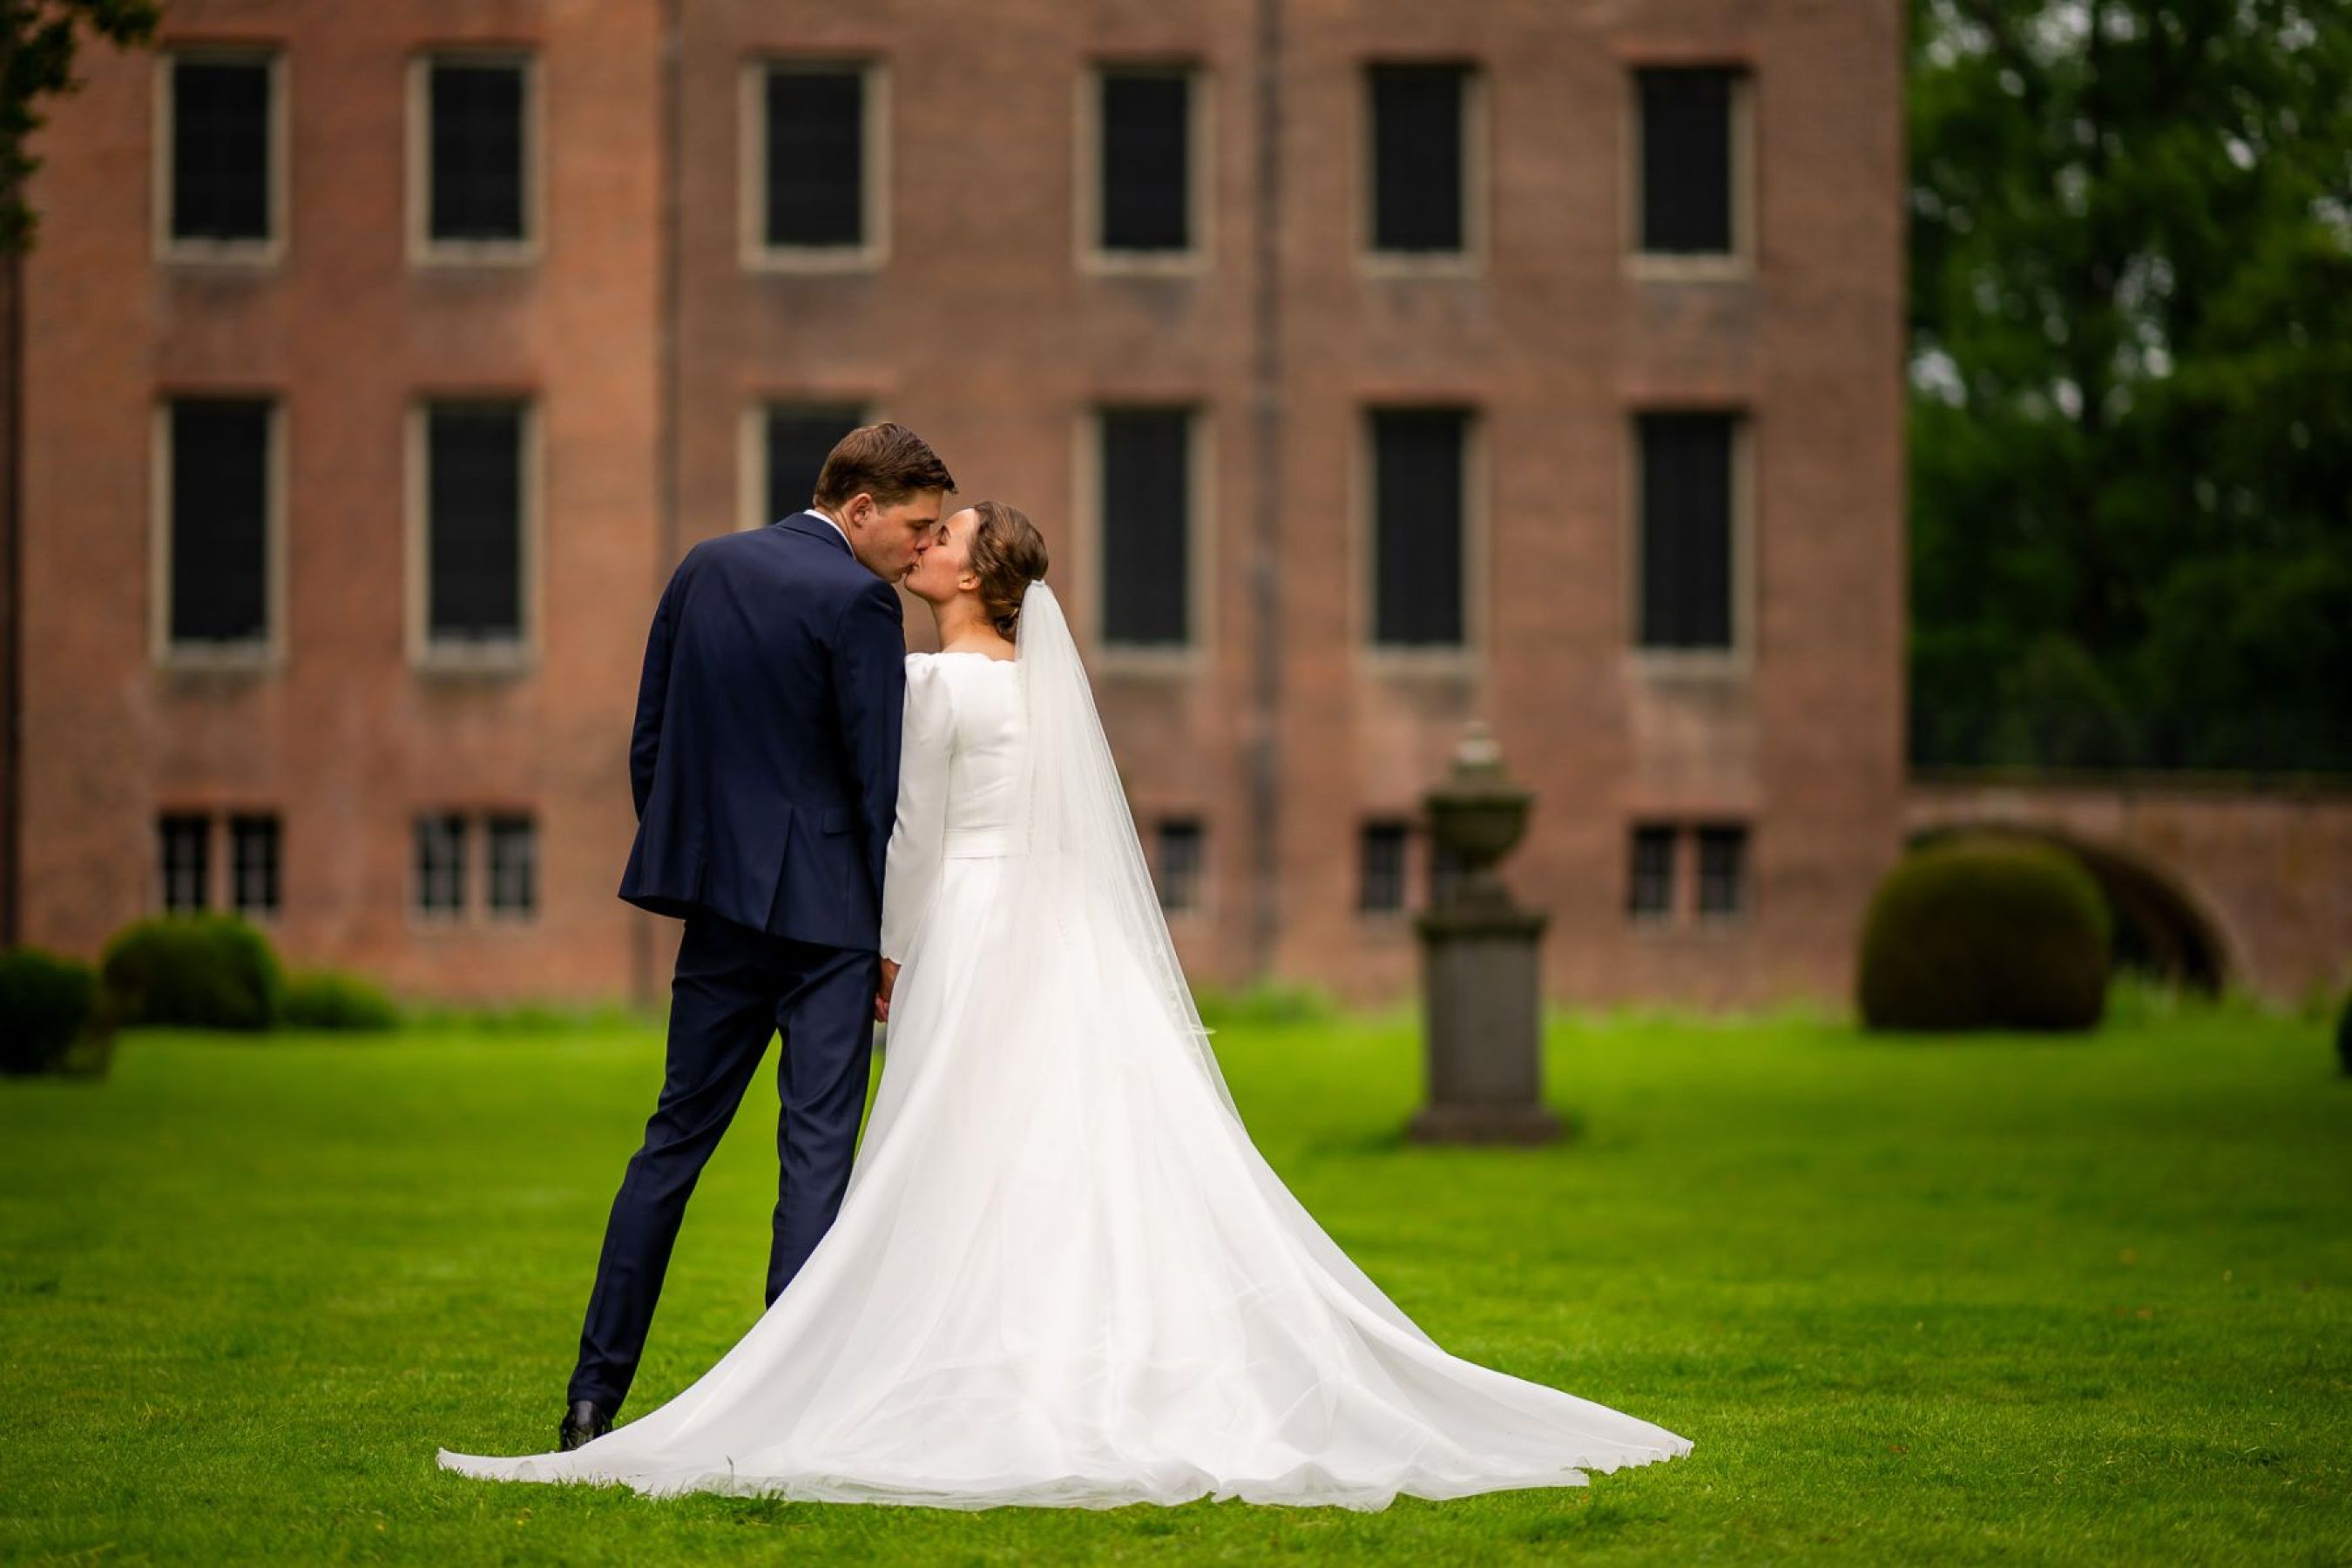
x: 837, y: 527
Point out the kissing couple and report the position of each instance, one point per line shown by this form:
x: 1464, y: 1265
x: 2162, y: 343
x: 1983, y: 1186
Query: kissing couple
x: 1055, y: 1271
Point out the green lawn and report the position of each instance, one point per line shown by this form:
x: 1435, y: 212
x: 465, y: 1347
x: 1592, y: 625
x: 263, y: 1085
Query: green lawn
x: 1945, y: 1301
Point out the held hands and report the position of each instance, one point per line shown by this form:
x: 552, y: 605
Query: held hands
x: 882, y: 997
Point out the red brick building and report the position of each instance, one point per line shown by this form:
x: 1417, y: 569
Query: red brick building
x: 1539, y: 364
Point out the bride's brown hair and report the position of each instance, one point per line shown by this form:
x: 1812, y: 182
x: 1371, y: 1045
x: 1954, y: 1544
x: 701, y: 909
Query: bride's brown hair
x: 1008, y: 553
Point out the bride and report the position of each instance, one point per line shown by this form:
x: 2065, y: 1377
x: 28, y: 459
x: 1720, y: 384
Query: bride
x: 1062, y: 1273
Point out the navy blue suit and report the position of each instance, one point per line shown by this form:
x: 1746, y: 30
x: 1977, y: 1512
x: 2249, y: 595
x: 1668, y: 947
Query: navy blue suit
x: 764, y: 763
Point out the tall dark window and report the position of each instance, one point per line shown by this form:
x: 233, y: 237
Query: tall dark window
x: 1686, y: 530
x: 1650, y: 886
x: 1146, y: 510
x: 1419, y: 532
x: 1419, y: 180
x: 219, y: 520
x: 1381, y: 853
x: 1686, y: 162
x: 1722, y: 868
x: 184, y: 857
x: 514, y: 865
x: 1180, y: 864
x: 816, y: 155
x: 1146, y: 161
x: 254, y: 863
x: 477, y: 152
x: 799, y: 439
x: 440, y: 887
x: 474, y: 463
x: 220, y: 149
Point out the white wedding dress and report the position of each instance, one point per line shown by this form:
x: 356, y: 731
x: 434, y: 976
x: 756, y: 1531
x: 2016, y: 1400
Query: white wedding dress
x: 1063, y: 1274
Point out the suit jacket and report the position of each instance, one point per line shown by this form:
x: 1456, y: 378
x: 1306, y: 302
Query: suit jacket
x: 764, y: 760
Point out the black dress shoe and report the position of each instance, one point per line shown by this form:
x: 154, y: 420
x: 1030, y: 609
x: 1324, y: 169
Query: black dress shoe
x: 586, y: 1419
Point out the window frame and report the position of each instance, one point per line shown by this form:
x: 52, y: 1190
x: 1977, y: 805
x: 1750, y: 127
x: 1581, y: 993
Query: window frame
x: 1191, y: 656
x: 752, y: 476
x: 1743, y: 833
x: 870, y: 255
x: 207, y: 872
x: 268, y: 653
x: 172, y: 249
x: 1199, y: 151
x: 520, y: 655
x: 1478, y: 156
x: 1683, y: 831
x: 425, y: 250
x: 485, y: 825
x: 1200, y: 908
x: 460, y: 915
x: 1403, y: 828
x: 231, y: 820
x: 1739, y: 263
x: 1451, y: 659
x: 1736, y: 659
x: 1672, y: 833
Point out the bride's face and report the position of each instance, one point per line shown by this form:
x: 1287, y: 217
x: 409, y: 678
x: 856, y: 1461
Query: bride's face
x: 944, y: 569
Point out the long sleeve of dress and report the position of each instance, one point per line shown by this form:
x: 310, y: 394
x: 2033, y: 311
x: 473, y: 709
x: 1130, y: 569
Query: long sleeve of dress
x: 869, y: 651
x: 918, y: 831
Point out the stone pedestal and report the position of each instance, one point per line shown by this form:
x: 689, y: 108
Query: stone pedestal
x: 1481, y: 979
x: 1483, y: 1020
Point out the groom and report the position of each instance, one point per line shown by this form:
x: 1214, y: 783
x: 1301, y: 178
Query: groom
x: 766, y: 766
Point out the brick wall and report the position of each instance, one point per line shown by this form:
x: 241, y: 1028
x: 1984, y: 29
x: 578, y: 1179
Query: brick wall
x: 649, y: 345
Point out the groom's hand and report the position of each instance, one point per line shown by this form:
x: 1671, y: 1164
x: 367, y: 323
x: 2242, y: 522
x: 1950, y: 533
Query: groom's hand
x: 882, y: 997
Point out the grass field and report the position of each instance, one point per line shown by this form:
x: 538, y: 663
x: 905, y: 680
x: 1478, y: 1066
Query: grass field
x: 2085, y: 1299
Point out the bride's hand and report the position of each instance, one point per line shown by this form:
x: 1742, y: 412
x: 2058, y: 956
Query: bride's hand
x: 882, y: 997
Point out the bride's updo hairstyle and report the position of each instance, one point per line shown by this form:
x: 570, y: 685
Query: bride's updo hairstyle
x: 1008, y: 553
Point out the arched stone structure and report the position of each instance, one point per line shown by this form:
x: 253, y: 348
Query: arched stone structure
x: 2217, y: 881
x: 2161, y: 926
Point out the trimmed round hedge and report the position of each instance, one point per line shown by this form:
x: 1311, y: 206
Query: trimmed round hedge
x: 46, y: 1001
x: 207, y: 971
x: 1986, y: 933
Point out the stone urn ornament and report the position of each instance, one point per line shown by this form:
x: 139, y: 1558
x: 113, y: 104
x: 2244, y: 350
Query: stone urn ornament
x: 1477, y: 817
x: 1481, y: 991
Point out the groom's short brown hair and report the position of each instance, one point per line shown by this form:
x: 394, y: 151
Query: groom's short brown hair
x: 886, y: 462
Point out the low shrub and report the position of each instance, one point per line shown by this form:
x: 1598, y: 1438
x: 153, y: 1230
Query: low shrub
x: 46, y: 1002
x: 1986, y: 933
x: 526, y: 1017
x: 2139, y: 997
x: 331, y: 999
x: 206, y: 971
x: 1265, y: 1004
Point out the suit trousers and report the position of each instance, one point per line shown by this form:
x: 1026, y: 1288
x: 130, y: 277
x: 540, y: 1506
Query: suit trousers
x: 734, y: 987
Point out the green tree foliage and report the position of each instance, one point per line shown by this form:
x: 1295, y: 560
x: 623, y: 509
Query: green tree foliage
x: 2131, y: 425
x: 37, y: 39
